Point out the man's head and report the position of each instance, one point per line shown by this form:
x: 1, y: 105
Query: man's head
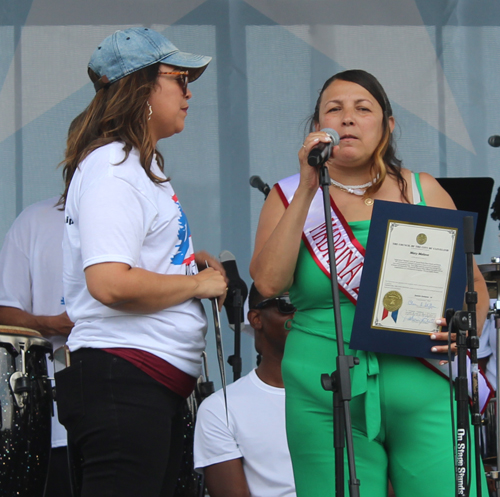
x: 271, y: 319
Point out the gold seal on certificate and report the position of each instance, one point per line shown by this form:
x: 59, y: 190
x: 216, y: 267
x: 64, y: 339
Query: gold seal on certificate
x: 392, y: 301
x: 421, y: 238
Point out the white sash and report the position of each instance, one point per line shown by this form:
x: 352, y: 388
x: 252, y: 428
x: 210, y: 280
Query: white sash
x: 349, y: 258
x: 349, y: 253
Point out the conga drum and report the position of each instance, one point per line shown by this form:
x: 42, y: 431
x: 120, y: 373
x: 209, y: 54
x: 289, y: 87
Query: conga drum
x: 26, y: 410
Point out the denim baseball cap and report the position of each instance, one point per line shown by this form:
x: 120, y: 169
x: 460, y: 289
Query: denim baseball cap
x: 127, y: 51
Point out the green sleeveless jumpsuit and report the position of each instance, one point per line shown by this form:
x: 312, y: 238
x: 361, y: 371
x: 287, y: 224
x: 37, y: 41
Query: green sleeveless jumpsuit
x: 400, y: 408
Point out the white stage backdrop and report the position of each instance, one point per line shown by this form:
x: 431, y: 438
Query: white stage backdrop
x: 437, y: 60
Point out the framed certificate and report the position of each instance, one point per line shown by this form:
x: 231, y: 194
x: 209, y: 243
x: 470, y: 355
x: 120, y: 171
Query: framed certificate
x: 414, y: 270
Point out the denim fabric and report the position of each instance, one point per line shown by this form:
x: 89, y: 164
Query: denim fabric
x: 127, y: 51
x: 125, y: 429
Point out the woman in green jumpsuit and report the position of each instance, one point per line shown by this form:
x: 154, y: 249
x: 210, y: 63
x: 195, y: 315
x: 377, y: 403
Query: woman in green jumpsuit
x: 400, y: 408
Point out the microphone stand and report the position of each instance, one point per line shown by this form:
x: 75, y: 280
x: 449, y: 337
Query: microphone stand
x: 460, y: 322
x: 463, y: 321
x: 339, y: 382
x: 473, y: 343
x: 235, y: 360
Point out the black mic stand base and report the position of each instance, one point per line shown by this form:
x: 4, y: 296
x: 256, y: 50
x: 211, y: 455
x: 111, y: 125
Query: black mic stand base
x: 339, y: 383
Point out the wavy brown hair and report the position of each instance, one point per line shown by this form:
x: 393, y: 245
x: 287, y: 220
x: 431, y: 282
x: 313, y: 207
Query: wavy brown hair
x: 384, y: 160
x: 118, y: 112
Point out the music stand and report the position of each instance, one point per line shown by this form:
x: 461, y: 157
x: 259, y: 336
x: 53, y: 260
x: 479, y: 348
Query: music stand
x: 473, y: 195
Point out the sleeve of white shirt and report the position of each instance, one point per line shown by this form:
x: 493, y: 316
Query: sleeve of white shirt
x: 214, y: 442
x: 484, y: 349
x: 15, y: 274
x: 114, y: 220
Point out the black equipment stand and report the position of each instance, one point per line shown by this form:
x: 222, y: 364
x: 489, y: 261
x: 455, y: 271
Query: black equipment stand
x: 340, y: 380
x: 473, y: 194
x: 236, y: 294
x: 235, y: 360
x: 203, y: 390
x: 462, y: 322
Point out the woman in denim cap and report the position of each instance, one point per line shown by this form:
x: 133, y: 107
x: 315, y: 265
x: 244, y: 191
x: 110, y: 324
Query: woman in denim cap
x: 400, y: 408
x: 131, y: 279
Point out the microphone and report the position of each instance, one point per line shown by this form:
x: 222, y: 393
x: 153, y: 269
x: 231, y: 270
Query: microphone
x: 257, y: 182
x: 237, y: 289
x: 321, y: 152
x: 494, y: 141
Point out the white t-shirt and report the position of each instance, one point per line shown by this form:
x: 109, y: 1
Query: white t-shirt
x: 31, y: 273
x: 115, y: 213
x: 256, y: 433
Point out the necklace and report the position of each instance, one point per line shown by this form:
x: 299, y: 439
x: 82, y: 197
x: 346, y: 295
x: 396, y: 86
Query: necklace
x: 353, y: 189
x: 358, y: 190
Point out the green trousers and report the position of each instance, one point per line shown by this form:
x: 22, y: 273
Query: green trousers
x: 414, y: 447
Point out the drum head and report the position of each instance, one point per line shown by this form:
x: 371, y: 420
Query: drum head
x: 18, y: 330
x: 16, y: 338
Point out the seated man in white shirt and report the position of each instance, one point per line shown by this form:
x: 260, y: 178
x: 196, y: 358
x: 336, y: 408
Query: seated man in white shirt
x: 248, y: 456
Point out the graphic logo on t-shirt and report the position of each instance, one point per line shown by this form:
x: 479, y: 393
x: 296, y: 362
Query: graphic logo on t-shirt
x: 184, y: 236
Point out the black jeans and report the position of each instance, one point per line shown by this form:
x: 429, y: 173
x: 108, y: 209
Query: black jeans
x: 125, y: 429
x: 58, y: 483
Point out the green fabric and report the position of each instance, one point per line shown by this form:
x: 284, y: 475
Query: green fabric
x: 400, y: 408
x: 413, y: 448
x: 419, y: 186
x: 315, y: 314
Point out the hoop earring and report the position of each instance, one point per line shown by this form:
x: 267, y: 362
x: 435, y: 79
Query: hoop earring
x: 150, y: 110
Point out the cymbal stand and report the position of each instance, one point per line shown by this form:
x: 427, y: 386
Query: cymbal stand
x: 495, y: 474
x: 491, y: 272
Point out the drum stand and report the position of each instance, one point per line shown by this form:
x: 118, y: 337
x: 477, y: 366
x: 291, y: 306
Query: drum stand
x: 491, y: 273
x: 495, y: 475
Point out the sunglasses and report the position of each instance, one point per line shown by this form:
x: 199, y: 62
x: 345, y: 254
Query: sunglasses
x: 182, y: 78
x: 282, y: 302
